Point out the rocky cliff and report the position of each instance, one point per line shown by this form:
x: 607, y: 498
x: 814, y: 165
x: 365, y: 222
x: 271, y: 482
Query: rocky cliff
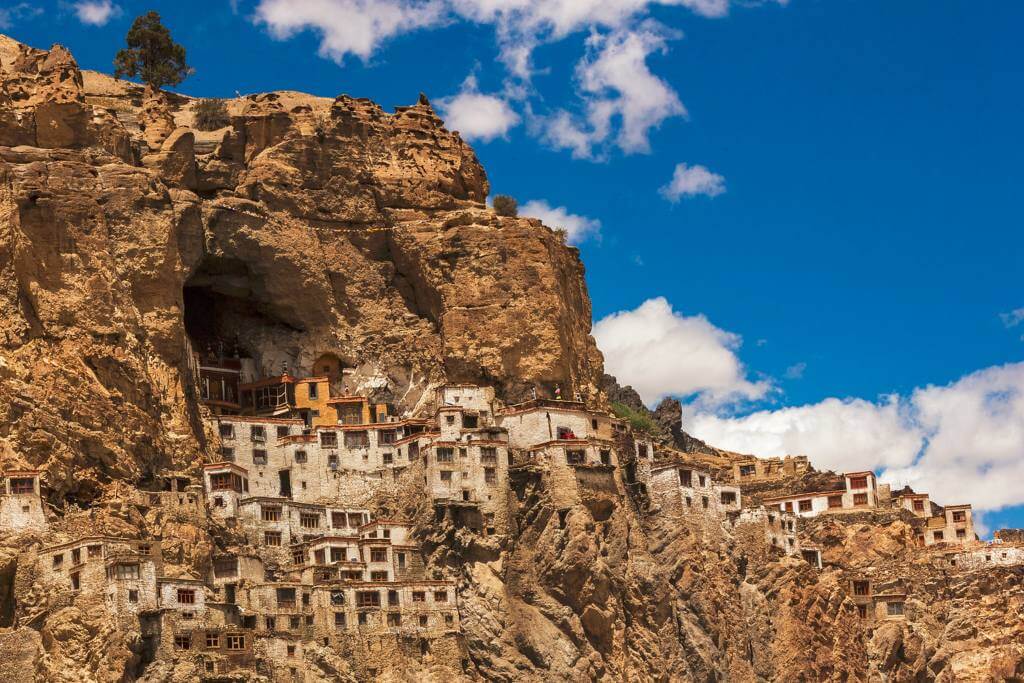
x: 309, y: 227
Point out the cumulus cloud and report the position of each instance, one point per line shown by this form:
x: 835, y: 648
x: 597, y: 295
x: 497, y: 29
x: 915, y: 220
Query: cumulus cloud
x: 96, y: 12
x: 477, y: 116
x: 578, y: 228
x: 1012, y: 318
x: 795, y: 371
x: 692, y: 181
x: 661, y: 352
x: 356, y: 27
x: 22, y: 10
x: 620, y: 99
x: 962, y: 442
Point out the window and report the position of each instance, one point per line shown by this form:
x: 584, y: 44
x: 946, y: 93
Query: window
x: 94, y: 550
x: 221, y: 481
x: 212, y: 640
x: 236, y: 641
x: 449, y: 619
x: 225, y: 566
x: 835, y: 502
x: 259, y: 456
x: 894, y: 609
x: 258, y: 434
x: 788, y: 507
x: 337, y: 598
x: 271, y: 513
x: 367, y: 599
x: 379, y: 576
x: 423, y: 620
x: 445, y: 454
x: 918, y: 505
x: 227, y: 431
x: 440, y: 596
x: 282, y: 431
x: 270, y: 623
x: 286, y: 598
x: 363, y: 619
x: 394, y: 619
x: 272, y: 538
x: 338, y: 520
x: 686, y: 478
x: 133, y: 595
x: 378, y: 555
x: 860, y: 499
x: 747, y: 470
x: 388, y: 458
x: 805, y: 506
x: 419, y: 596
x: 728, y: 497
x: 126, y: 571
x: 300, y: 456
x: 862, y: 611
x: 961, y: 533
x: 186, y: 596
x: 490, y: 475
x: 386, y: 436
x: 183, y: 642
x: 339, y: 620
x: 937, y: 536
x: 401, y: 560
x: 470, y: 421
x: 337, y: 554
x: 704, y: 501
x: 314, y: 393
x: 319, y: 556
x: 959, y: 516
x: 76, y: 581
x: 575, y: 457
x: 862, y: 588
x: 58, y: 561
x: 294, y: 623
x: 450, y: 419
x: 703, y: 480
x: 606, y: 457
x: 329, y: 439
x: 360, y: 439
x: 392, y: 597
x: 446, y: 475
x: 858, y: 482
x: 309, y: 520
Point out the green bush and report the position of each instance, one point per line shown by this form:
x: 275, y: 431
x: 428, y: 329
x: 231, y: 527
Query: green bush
x: 210, y: 114
x: 640, y: 422
x: 506, y: 206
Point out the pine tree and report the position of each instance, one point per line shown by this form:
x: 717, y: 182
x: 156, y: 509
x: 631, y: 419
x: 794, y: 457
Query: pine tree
x: 151, y: 55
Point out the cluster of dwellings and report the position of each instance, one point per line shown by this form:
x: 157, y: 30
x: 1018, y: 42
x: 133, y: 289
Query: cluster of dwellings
x: 751, y: 469
x: 878, y: 601
x: 861, y: 492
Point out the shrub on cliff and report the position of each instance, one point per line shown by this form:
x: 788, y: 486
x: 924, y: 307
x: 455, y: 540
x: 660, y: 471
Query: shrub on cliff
x: 210, y: 114
x: 506, y: 206
x: 639, y: 421
x: 151, y: 55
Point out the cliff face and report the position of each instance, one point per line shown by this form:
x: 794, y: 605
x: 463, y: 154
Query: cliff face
x: 306, y: 227
x: 311, y: 226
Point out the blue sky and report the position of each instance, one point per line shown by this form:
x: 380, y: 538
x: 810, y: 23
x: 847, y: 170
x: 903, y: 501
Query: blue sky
x: 838, y: 271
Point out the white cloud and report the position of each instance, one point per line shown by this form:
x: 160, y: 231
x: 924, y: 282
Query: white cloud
x: 477, y: 116
x: 578, y: 228
x: 691, y: 181
x: 795, y: 371
x: 96, y: 12
x: 661, y: 352
x: 22, y: 10
x: 620, y: 99
x: 1012, y: 318
x: 963, y: 442
x: 356, y: 27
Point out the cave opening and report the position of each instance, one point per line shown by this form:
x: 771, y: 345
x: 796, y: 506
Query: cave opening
x: 231, y: 325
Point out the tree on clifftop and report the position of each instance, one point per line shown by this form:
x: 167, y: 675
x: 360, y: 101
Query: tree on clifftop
x: 151, y: 54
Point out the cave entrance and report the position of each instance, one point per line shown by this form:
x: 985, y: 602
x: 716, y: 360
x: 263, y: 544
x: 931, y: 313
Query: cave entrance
x: 226, y: 313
